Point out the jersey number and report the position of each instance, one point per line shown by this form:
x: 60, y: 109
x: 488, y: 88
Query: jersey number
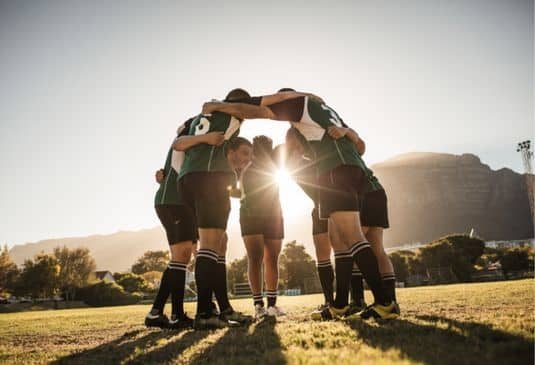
x: 335, y: 119
x: 203, y: 127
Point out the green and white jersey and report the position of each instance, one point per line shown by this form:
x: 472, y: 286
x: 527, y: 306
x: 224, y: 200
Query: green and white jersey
x: 204, y: 157
x: 329, y: 153
x: 311, y: 117
x: 167, y: 193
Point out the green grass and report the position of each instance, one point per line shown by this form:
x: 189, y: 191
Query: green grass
x: 490, y: 323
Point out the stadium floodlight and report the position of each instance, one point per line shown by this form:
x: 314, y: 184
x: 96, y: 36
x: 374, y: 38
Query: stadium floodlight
x: 524, y: 148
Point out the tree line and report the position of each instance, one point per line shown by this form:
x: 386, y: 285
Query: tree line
x: 69, y: 273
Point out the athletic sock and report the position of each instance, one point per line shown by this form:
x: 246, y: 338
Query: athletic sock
x: 162, y: 295
x: 343, y: 266
x: 389, y: 283
x: 271, y: 297
x: 258, y: 299
x: 177, y: 281
x: 357, y: 287
x: 367, y: 263
x: 205, y: 273
x: 326, y: 274
x: 220, y: 284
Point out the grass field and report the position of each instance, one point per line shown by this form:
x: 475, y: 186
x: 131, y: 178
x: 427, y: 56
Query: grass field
x: 490, y: 323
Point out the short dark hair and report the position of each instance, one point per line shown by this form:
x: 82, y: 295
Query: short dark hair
x: 262, y: 147
x: 237, y: 95
x: 285, y: 89
x: 237, y: 142
x: 293, y: 132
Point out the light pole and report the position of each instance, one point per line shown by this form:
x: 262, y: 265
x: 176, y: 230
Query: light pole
x: 527, y: 156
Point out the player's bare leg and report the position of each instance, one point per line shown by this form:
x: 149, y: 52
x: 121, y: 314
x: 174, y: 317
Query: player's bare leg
x: 254, y: 245
x: 272, y: 249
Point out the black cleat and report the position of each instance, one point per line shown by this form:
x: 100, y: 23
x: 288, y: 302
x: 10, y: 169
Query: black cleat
x: 378, y: 311
x: 181, y: 322
x: 231, y: 315
x: 355, y: 308
x: 212, y: 322
x: 156, y: 320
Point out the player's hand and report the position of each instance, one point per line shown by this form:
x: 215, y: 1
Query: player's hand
x: 210, y: 107
x: 336, y: 132
x: 160, y: 176
x: 214, y: 138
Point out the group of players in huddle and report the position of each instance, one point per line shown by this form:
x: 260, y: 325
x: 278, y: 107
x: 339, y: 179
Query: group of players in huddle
x: 208, y: 163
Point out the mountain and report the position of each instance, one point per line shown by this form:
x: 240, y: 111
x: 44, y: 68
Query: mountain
x: 429, y: 195
x: 432, y: 194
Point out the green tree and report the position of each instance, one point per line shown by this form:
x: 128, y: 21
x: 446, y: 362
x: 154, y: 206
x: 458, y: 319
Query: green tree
x: 133, y: 283
x: 237, y: 272
x: 401, y: 265
x: 295, y: 266
x: 101, y: 294
x: 459, y: 252
x: 39, y: 278
x: 515, y: 259
x: 8, y: 271
x: 76, y: 266
x: 151, y: 261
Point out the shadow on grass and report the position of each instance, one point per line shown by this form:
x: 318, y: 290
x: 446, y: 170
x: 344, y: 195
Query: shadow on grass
x: 440, y: 340
x: 242, y: 346
x: 128, y: 347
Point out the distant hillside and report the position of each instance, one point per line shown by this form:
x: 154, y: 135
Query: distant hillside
x: 115, y: 252
x: 433, y: 194
x: 430, y: 195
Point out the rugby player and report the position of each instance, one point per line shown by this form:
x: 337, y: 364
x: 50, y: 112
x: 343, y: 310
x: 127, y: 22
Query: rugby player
x: 342, y: 177
x: 262, y: 225
x: 204, y: 178
x: 181, y: 232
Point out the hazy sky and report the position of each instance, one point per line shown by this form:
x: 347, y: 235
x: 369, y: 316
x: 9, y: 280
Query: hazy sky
x: 91, y: 92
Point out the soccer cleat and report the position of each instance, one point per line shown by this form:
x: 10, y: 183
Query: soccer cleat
x: 355, y: 308
x: 379, y: 311
x: 274, y: 311
x: 259, y: 311
x: 231, y: 315
x: 156, y: 320
x: 329, y: 313
x: 212, y: 322
x: 181, y: 322
x: 397, y: 309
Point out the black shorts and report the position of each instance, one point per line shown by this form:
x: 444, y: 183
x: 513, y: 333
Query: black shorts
x: 319, y: 226
x: 340, y: 189
x: 207, y: 195
x: 271, y: 227
x: 374, y: 210
x: 178, y: 222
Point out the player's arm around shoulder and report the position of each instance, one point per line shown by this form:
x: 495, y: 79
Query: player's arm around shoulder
x: 183, y: 143
x: 340, y: 132
x: 239, y: 110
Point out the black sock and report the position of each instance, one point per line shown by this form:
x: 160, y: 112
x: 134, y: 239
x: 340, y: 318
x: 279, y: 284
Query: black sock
x: 163, y: 293
x: 271, y: 297
x: 326, y: 274
x: 258, y: 299
x: 205, y: 272
x: 343, y: 266
x: 367, y: 263
x: 389, y: 283
x: 357, y: 287
x: 220, y: 287
x: 177, y: 280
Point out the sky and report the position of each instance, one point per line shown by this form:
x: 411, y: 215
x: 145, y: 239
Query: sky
x: 91, y: 93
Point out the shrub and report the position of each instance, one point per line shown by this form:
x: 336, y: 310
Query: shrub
x: 103, y: 294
